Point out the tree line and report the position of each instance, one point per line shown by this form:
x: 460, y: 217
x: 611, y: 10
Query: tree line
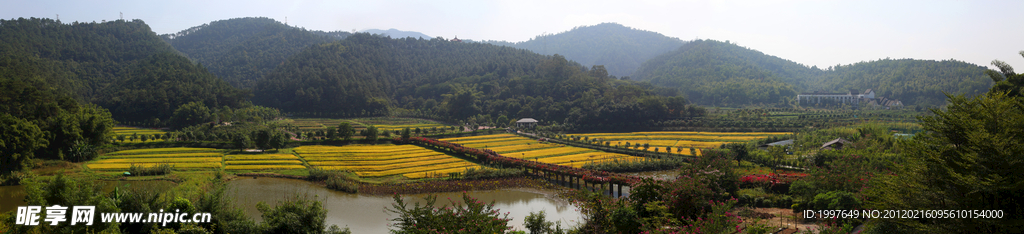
x: 371, y: 75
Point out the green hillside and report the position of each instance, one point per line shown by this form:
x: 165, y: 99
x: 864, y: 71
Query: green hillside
x: 243, y: 50
x: 619, y: 48
x: 366, y: 75
x: 120, y: 65
x: 723, y: 74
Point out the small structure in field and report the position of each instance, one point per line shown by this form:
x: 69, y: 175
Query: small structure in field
x: 777, y: 143
x: 836, y: 144
x: 526, y: 123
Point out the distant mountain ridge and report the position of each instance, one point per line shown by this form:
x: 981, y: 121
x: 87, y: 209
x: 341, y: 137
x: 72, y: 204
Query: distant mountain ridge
x: 395, y: 33
x: 619, y: 48
x: 243, y: 50
x: 718, y: 73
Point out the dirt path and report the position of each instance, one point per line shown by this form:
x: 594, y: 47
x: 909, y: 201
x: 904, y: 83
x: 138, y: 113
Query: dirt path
x: 778, y: 217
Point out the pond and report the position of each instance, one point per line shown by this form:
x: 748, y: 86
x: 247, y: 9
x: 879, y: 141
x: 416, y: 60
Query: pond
x: 11, y: 197
x: 365, y: 214
x: 361, y: 213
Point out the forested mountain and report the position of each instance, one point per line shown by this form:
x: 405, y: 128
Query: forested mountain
x: 120, y: 65
x: 373, y: 75
x: 723, y: 74
x: 395, y: 33
x: 243, y: 50
x: 619, y: 48
x: 915, y: 82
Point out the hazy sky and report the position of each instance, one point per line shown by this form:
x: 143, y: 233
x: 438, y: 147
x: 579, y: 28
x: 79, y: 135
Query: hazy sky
x: 821, y: 33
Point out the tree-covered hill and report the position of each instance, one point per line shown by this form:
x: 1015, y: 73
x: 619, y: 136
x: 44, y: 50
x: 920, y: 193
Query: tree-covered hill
x: 243, y: 50
x: 724, y: 74
x: 120, y: 65
x: 915, y: 82
x: 619, y: 48
x: 373, y: 75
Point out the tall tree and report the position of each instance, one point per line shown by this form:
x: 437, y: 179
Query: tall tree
x: 345, y: 130
x: 968, y: 158
x: 19, y: 139
x: 371, y: 133
x: 190, y: 114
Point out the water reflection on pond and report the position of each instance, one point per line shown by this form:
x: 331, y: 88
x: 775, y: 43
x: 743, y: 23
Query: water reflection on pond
x: 365, y: 214
x: 11, y: 197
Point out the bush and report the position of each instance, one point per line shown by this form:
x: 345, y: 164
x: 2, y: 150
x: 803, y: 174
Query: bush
x: 537, y: 223
x: 320, y: 174
x: 835, y: 200
x: 475, y: 217
x: 160, y: 169
x: 487, y: 173
x: 342, y: 183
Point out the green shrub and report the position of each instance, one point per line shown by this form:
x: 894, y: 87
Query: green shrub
x: 342, y: 183
x: 835, y: 200
x: 537, y: 223
x: 486, y: 173
x: 160, y: 169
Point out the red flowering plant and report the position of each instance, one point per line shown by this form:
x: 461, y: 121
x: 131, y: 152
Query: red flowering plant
x: 698, y: 201
x: 851, y: 173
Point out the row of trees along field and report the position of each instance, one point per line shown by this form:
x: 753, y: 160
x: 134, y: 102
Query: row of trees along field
x: 243, y: 50
x: 372, y: 75
x: 724, y: 74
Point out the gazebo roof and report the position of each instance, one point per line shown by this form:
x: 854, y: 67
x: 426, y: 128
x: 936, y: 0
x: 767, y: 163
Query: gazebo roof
x: 839, y: 141
x: 527, y: 120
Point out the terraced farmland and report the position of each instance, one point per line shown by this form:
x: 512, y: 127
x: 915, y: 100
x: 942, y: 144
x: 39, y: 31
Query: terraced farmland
x: 257, y: 162
x: 676, y: 140
x: 127, y: 132
x: 510, y: 145
x: 383, y: 160
x: 179, y: 158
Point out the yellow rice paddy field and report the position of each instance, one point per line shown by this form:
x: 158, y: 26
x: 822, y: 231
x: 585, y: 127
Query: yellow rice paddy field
x: 179, y: 158
x: 676, y: 140
x: 307, y: 124
x: 256, y: 162
x: 510, y: 145
x: 383, y: 160
x: 129, y: 131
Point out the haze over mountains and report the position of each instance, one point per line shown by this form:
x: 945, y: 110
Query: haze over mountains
x: 395, y: 33
x: 140, y: 76
x: 619, y: 48
x: 718, y: 73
